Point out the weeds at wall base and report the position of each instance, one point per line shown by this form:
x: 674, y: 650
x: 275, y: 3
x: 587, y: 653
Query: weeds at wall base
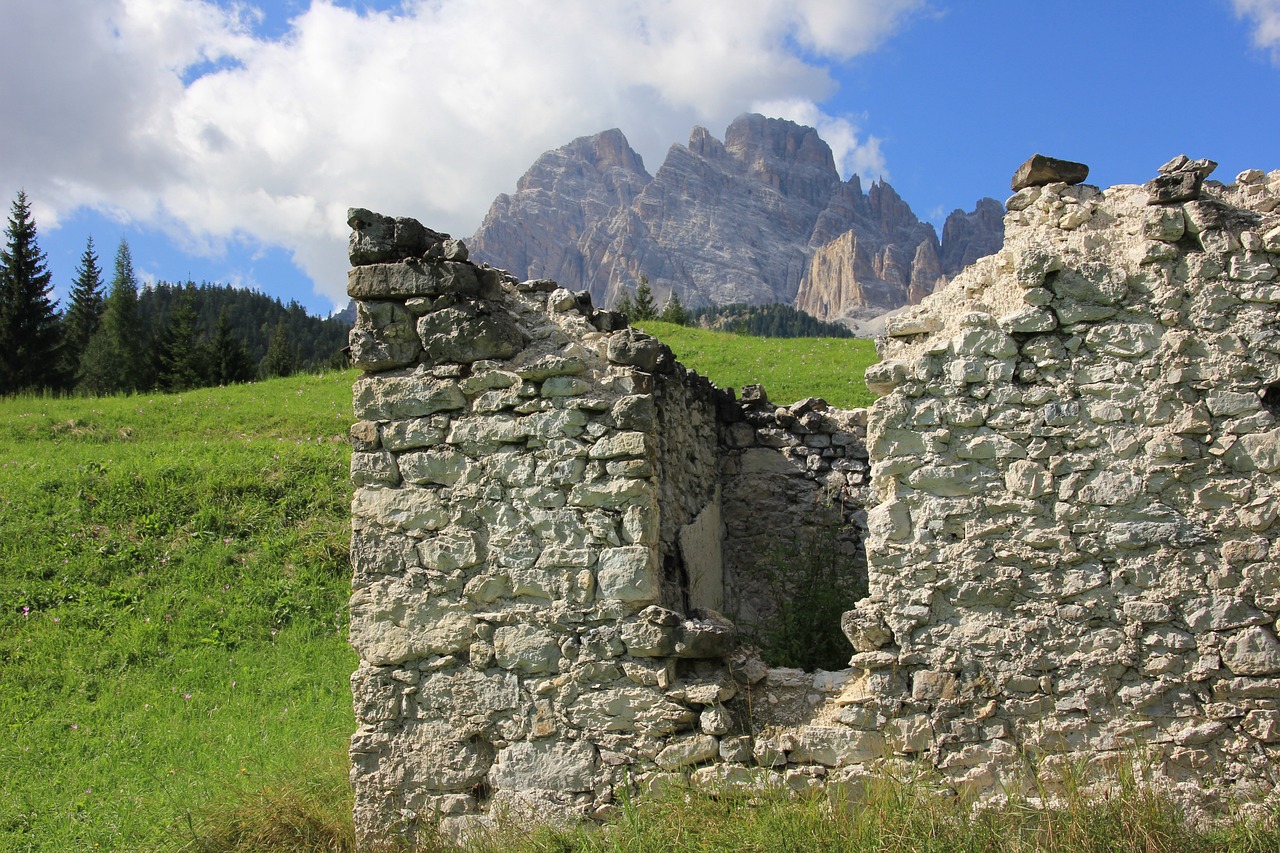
x: 909, y: 812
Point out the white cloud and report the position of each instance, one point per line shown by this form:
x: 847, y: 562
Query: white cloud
x: 1265, y: 15
x: 429, y: 111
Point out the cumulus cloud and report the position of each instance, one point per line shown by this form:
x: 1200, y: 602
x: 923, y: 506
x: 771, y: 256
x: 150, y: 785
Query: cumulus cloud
x: 1265, y: 16
x: 177, y: 115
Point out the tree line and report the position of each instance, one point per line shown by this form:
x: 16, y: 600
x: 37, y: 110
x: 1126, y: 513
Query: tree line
x: 642, y: 306
x: 774, y: 320
x: 118, y: 338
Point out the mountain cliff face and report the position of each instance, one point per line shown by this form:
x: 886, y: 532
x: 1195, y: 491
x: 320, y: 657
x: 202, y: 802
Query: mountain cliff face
x: 761, y: 217
x: 969, y: 236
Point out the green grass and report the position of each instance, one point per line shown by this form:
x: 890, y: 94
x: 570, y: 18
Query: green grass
x: 892, y: 815
x: 790, y: 369
x: 173, y: 585
x: 174, y: 667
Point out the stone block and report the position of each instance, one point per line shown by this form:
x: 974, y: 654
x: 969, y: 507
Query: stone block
x: 1039, y: 170
x: 881, y: 378
x: 545, y: 766
x: 412, y: 433
x: 683, y: 752
x: 390, y: 625
x: 950, y: 480
x: 909, y: 735
x: 1165, y: 224
x: 932, y: 685
x: 1220, y: 613
x: 526, y: 649
x: 620, y: 444
x: 407, y: 509
x: 634, y: 348
x: 414, y: 278
x: 468, y: 333
x: 633, y: 710
x: 644, y: 639
x: 616, y: 493
x: 629, y: 573
x: 374, y: 469
x: 1256, y: 452
x: 1253, y: 651
x: 833, y: 746
x: 565, y: 386
x: 409, y: 394
x: 450, y: 550
x: 1028, y: 479
x: 705, y: 638
x: 378, y: 239
x: 437, y: 759
x: 1263, y: 725
x: 468, y: 697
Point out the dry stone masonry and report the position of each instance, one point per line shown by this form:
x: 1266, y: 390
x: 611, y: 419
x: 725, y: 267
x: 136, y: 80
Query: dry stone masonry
x: 538, y: 543
x: 1073, y: 555
x: 1070, y: 545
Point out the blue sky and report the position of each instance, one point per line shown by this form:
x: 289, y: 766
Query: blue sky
x: 225, y: 140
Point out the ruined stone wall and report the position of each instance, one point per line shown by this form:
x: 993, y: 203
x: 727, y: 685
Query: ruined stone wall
x: 538, y: 544
x: 1071, y: 553
x: 1074, y: 552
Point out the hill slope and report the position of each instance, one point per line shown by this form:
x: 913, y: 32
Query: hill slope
x: 174, y: 575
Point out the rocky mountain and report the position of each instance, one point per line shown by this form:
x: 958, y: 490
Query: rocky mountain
x: 761, y: 217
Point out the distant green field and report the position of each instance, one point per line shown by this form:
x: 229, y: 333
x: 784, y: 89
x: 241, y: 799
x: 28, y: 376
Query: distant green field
x: 790, y: 369
x: 173, y: 587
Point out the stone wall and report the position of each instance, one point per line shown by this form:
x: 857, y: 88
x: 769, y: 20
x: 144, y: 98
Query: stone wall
x: 1074, y: 554
x: 538, y: 542
x: 1070, y: 556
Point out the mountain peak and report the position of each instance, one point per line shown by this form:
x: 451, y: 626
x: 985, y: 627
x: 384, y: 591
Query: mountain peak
x: 735, y: 221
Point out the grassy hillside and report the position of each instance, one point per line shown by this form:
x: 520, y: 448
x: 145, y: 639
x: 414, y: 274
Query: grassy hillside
x: 173, y: 584
x: 174, y: 667
x: 789, y: 368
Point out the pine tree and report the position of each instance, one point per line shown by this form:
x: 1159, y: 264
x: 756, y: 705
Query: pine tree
x: 280, y: 359
x: 178, y: 360
x: 673, y: 311
x: 28, y: 321
x: 625, y: 305
x: 84, y: 314
x: 644, y: 307
x: 227, y: 357
x: 115, y: 360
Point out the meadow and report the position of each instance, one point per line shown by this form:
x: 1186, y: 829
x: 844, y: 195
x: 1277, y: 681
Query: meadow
x: 789, y: 368
x: 173, y: 658
x: 172, y: 610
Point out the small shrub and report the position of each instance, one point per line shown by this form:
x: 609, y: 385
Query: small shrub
x: 809, y: 583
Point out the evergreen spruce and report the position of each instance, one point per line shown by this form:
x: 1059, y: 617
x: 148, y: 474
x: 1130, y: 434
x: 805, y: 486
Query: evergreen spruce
x: 178, y: 360
x: 228, y: 360
x: 673, y: 311
x: 115, y: 360
x: 29, y: 334
x: 626, y: 306
x: 280, y: 359
x: 645, y: 309
x: 84, y: 314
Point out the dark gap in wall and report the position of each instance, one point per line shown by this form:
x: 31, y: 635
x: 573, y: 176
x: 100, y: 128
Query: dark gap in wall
x: 675, y: 577
x: 1271, y: 398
